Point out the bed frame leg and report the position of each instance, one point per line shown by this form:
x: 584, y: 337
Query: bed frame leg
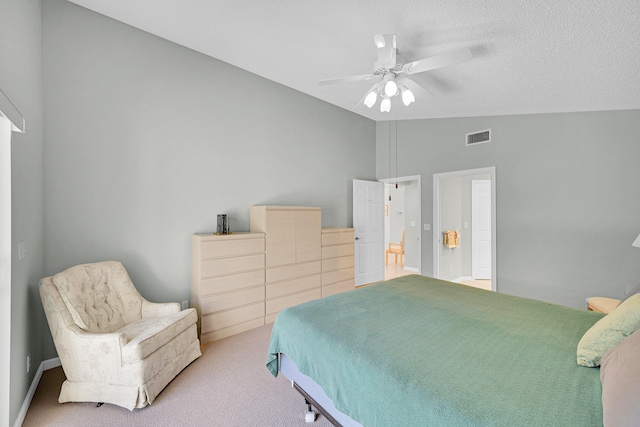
x: 310, y: 416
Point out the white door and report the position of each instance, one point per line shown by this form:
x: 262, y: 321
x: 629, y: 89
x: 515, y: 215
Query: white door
x: 481, y: 229
x: 368, y: 224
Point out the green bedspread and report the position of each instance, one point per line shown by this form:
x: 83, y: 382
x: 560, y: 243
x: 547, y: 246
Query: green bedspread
x: 416, y: 351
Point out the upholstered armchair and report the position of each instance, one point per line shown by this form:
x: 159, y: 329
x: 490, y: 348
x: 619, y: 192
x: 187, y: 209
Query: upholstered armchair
x: 114, y: 346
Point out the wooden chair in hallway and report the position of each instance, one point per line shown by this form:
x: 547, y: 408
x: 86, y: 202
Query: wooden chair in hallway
x: 396, y: 249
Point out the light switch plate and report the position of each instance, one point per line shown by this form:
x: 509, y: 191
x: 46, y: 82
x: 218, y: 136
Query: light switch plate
x: 21, y: 251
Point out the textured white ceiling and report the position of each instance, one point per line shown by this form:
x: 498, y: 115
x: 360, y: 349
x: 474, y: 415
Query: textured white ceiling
x: 530, y: 56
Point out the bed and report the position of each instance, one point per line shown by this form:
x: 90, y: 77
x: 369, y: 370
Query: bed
x: 421, y: 351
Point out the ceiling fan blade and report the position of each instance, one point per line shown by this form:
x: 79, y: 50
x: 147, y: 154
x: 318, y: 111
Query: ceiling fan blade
x: 347, y: 79
x: 386, y: 44
x: 415, y: 86
x: 439, y: 61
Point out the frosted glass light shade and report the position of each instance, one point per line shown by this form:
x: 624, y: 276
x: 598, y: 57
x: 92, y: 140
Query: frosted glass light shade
x: 390, y: 88
x: 370, y: 100
x: 385, y: 105
x: 636, y: 242
x: 407, y: 97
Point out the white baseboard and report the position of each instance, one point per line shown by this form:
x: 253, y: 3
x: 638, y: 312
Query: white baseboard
x: 44, y: 366
x: 461, y: 278
x: 412, y: 269
x: 50, y: 363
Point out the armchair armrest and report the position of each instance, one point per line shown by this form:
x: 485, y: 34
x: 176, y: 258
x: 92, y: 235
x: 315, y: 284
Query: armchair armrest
x: 159, y: 309
x: 76, y: 347
x: 114, y: 340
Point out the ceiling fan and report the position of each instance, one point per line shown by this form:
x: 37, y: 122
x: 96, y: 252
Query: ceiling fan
x: 391, y: 73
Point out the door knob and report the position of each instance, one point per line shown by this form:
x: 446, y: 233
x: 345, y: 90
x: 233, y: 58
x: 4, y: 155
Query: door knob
x: 357, y: 238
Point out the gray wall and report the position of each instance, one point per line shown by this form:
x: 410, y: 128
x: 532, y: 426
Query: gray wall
x: 567, y: 195
x: 21, y: 80
x: 147, y: 141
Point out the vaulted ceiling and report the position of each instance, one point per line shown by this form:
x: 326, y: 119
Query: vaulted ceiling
x: 530, y: 56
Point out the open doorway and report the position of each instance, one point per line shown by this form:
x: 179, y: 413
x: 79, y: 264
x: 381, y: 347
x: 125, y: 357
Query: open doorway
x: 465, y: 227
x: 402, y: 221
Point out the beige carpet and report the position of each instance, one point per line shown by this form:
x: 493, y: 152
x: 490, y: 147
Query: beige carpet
x: 228, y: 386
x: 482, y: 284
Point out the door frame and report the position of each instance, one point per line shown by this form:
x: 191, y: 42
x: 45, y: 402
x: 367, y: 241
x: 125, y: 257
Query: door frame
x: 437, y: 238
x: 5, y: 267
x: 407, y: 179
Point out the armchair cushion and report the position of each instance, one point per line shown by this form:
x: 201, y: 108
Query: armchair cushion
x: 147, y: 335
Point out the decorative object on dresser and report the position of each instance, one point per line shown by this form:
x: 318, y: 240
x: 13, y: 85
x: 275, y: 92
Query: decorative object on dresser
x: 223, y: 224
x: 293, y: 255
x: 338, y: 273
x: 227, y: 283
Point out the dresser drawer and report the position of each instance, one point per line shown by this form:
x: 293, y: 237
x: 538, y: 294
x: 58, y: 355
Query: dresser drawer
x: 225, y: 266
x: 339, y: 263
x: 287, y: 287
x: 231, y: 248
x: 337, y: 276
x: 336, y: 251
x: 287, y: 272
x: 338, y: 287
x: 227, y: 318
x: 229, y: 300
x: 214, y: 285
x: 217, y: 334
x: 337, y: 238
x: 277, y: 304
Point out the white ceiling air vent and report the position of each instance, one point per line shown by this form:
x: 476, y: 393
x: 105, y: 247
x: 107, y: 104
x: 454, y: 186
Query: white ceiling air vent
x: 479, y: 137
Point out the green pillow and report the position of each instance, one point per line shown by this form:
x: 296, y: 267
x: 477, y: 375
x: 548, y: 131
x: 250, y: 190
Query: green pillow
x: 609, y: 331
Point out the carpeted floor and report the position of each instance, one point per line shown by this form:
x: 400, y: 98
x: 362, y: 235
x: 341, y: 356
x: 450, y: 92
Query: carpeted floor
x: 478, y: 283
x: 228, y: 386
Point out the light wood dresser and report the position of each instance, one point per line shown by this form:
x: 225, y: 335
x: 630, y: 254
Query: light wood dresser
x: 337, y: 261
x: 293, y: 255
x: 227, y: 283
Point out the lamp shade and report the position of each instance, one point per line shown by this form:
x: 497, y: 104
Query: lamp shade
x: 371, y: 98
x: 407, y: 97
x: 390, y: 88
x: 385, y: 105
x: 636, y: 242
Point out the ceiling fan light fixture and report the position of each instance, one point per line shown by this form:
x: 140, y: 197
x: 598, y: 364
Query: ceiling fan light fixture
x: 391, y: 74
x: 407, y: 96
x: 390, y: 87
x: 371, y: 99
x: 385, y: 105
